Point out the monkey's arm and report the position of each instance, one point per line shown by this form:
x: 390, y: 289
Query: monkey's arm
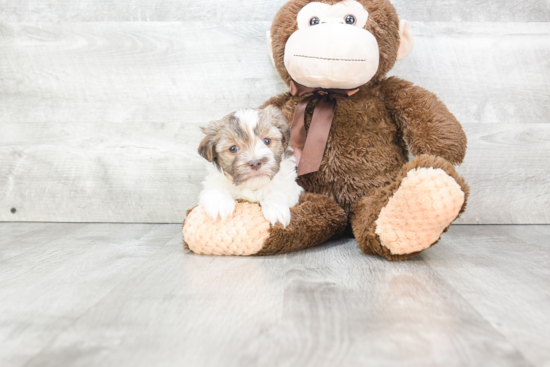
x: 426, y: 123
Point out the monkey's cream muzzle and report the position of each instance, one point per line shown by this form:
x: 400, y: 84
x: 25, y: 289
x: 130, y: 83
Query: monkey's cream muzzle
x: 332, y: 55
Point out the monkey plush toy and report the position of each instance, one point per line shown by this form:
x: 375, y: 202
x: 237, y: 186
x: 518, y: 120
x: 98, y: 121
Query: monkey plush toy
x: 351, y: 130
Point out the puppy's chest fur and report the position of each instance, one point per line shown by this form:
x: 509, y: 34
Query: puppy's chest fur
x: 365, y: 149
x: 249, y: 194
x: 284, y: 183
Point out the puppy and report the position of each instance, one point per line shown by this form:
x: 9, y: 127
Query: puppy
x: 251, y: 160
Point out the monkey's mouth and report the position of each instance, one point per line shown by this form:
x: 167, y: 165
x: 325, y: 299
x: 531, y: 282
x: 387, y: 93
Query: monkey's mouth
x: 330, y: 59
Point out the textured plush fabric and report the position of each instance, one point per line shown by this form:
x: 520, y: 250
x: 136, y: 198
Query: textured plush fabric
x: 407, y: 40
x: 366, y: 157
x: 427, y: 201
x: 324, y: 71
x: 243, y: 233
x: 383, y: 24
x: 367, y: 210
x: 315, y: 219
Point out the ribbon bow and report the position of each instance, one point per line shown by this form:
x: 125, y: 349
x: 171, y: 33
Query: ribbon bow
x: 309, y: 148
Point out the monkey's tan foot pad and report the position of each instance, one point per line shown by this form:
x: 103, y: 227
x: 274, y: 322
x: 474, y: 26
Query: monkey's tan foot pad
x: 425, y: 204
x: 244, y: 233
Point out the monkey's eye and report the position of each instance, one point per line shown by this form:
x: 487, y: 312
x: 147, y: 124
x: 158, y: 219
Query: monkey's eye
x: 234, y: 149
x: 314, y: 21
x: 267, y: 141
x: 350, y: 19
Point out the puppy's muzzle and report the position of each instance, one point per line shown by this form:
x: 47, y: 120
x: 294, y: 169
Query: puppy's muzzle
x: 255, y: 164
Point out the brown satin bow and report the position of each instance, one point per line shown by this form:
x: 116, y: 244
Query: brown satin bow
x: 309, y: 152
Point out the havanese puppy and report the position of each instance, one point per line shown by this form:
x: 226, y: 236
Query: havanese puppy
x: 250, y: 160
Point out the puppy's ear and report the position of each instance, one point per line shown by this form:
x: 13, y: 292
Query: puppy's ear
x: 279, y: 120
x: 207, y: 147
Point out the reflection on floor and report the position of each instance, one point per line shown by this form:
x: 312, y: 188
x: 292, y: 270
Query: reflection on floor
x: 129, y: 295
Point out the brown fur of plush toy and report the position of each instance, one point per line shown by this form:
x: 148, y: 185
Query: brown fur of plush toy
x: 367, y: 143
x: 383, y: 24
x: 366, y: 158
x: 366, y: 155
x: 367, y: 209
x: 314, y: 220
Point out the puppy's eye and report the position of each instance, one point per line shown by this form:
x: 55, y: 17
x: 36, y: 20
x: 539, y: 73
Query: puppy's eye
x: 350, y: 19
x: 314, y: 21
x: 267, y: 141
x: 234, y: 149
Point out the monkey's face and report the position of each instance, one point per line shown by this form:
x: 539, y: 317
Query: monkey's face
x: 340, y: 44
x: 331, y: 48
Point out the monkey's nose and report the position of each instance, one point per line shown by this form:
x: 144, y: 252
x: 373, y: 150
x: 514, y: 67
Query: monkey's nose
x: 255, y: 164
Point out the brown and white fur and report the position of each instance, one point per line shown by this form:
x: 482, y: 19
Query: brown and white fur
x: 250, y: 160
x: 396, y: 208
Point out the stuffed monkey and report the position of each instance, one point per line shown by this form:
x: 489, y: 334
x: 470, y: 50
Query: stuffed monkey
x: 351, y: 130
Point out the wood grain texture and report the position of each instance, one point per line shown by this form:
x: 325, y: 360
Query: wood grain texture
x: 484, y: 72
x: 48, y: 287
x: 473, y: 10
x: 507, y: 168
x: 100, y: 120
x: 195, y: 71
x: 19, y: 238
x: 244, y: 10
x: 503, y: 273
x: 477, y: 298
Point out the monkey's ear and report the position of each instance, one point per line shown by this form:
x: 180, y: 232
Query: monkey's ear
x: 270, y: 47
x: 406, y: 42
x: 207, y: 148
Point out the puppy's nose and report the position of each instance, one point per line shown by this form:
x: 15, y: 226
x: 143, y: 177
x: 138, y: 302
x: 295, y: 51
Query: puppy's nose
x: 255, y: 164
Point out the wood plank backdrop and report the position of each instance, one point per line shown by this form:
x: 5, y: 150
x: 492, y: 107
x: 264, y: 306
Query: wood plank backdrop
x: 101, y: 101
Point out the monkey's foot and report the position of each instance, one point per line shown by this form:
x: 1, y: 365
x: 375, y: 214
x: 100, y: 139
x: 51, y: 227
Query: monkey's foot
x: 314, y: 220
x: 426, y: 203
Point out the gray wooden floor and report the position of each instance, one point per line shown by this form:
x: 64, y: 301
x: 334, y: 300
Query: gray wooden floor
x: 129, y: 295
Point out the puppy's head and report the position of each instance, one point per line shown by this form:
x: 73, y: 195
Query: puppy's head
x: 248, y: 145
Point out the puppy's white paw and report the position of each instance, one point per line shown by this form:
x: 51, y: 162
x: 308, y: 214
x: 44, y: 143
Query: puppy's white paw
x: 276, y: 211
x: 218, y: 205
